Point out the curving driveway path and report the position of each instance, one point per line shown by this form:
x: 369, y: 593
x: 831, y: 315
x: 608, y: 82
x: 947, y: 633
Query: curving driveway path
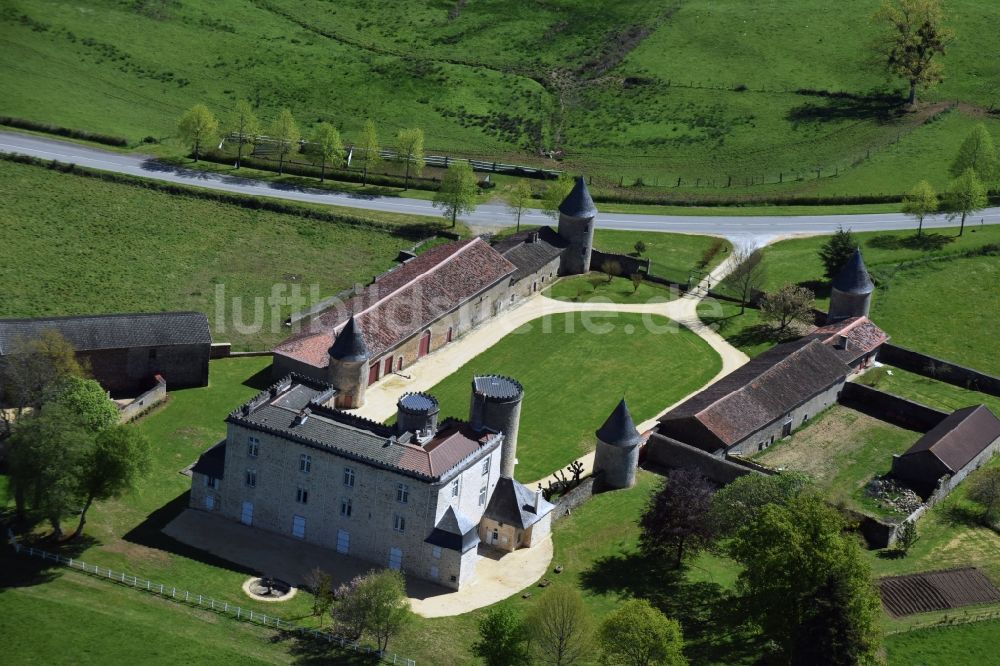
x: 758, y: 230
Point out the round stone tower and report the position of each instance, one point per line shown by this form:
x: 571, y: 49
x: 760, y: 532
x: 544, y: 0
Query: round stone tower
x: 417, y: 413
x: 851, y: 291
x: 348, y: 371
x: 496, y: 404
x: 617, y: 457
x: 576, y: 226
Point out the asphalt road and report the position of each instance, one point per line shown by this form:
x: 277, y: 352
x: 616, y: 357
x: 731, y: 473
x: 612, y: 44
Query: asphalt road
x: 756, y: 229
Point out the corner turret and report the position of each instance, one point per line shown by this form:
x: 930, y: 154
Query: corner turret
x: 617, y: 456
x: 348, y: 370
x: 851, y: 291
x: 576, y: 226
x: 496, y: 404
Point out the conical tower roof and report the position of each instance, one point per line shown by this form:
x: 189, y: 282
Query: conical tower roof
x: 578, y: 202
x: 350, y: 344
x: 853, y: 278
x: 619, y: 429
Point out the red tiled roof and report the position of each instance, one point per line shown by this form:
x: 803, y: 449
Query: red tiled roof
x: 863, y: 337
x: 405, y: 300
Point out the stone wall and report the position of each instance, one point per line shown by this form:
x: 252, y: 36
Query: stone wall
x: 128, y: 371
x: 629, y: 265
x: 939, y: 369
x: 574, y: 498
x: 890, y: 408
x: 145, y: 401
x: 668, y: 452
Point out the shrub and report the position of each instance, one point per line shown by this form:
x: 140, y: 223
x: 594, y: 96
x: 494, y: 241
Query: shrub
x: 84, y: 135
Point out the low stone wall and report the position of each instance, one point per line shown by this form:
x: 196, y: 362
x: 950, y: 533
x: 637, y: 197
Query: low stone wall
x: 668, y: 452
x: 574, y: 498
x: 144, y: 402
x: 939, y: 369
x: 890, y: 408
x: 220, y: 350
x: 629, y: 265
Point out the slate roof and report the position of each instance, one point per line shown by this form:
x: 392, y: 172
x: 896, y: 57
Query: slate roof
x: 754, y: 395
x: 350, y: 344
x: 280, y: 410
x: 578, y: 202
x: 212, y: 462
x: 619, y: 429
x: 529, y: 251
x: 959, y: 438
x: 863, y: 337
x: 454, y: 531
x: 497, y: 387
x: 404, y: 301
x: 853, y: 278
x: 513, y: 504
x: 113, y: 331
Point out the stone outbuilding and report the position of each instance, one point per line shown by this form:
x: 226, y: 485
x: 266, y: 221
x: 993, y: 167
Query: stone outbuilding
x: 857, y: 340
x: 617, y: 457
x: 516, y: 516
x: 851, y: 291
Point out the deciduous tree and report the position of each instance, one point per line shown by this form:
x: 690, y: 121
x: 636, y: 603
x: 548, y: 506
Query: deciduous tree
x: 328, y: 148
x: 285, y: 134
x: 913, y: 37
x: 611, y: 268
x: 747, y: 276
x: 676, y: 521
x: 978, y: 153
x: 503, y: 638
x: 88, y: 401
x: 375, y: 604
x: 457, y: 194
x: 244, y: 124
x: 518, y: 199
x: 555, y: 192
x: 785, y: 307
x: 31, y: 371
x: 966, y: 196
x: 560, y: 628
x: 640, y: 248
x: 739, y: 502
x: 636, y: 634
x: 984, y: 489
x: 919, y: 203
x: 369, y: 149
x: 117, y: 459
x: 806, y: 584
x: 198, y: 126
x: 835, y: 252
x: 410, y: 149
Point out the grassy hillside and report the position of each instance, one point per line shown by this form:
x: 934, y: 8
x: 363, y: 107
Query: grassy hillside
x: 76, y: 245
x: 638, y: 89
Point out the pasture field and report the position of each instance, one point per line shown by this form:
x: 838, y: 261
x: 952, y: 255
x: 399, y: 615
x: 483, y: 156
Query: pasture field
x: 566, y: 399
x: 76, y: 245
x: 955, y: 645
x: 633, y: 91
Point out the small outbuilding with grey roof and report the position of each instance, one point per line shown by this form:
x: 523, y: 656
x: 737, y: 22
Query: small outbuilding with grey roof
x: 961, y: 443
x: 124, y: 352
x: 516, y: 516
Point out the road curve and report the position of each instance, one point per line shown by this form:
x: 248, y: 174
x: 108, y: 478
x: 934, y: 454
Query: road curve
x: 751, y: 229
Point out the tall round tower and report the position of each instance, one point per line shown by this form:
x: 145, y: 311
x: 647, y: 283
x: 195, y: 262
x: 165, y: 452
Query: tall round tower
x: 348, y: 370
x: 617, y: 456
x: 851, y: 291
x: 496, y: 404
x: 417, y: 413
x: 576, y: 226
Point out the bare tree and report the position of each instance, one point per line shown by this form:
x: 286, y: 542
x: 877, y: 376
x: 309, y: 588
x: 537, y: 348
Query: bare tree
x: 785, y: 307
x: 560, y: 628
x: 747, y: 276
x: 32, y: 368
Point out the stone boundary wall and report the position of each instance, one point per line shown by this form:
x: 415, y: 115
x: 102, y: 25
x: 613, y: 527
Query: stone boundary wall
x: 939, y: 369
x: 145, y: 401
x: 669, y: 452
x: 629, y: 265
x: 890, y: 408
x: 574, y: 498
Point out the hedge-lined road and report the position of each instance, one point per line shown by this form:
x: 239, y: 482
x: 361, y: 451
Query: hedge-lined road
x: 760, y: 229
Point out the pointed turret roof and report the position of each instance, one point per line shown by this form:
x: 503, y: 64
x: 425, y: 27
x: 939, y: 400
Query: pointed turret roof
x: 455, y: 530
x: 578, y: 202
x: 350, y: 344
x: 619, y: 429
x: 853, y: 278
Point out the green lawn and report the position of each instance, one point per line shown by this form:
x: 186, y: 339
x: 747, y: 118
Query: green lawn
x: 595, y: 288
x: 841, y: 450
x: 574, y: 375
x: 77, y: 245
x: 629, y: 90
x: 745, y: 331
x: 931, y: 392
x: 672, y: 256
x: 957, y: 645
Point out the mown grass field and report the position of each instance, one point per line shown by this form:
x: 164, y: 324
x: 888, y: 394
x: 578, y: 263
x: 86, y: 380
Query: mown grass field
x: 574, y: 368
x: 630, y: 90
x: 77, y: 245
x: 960, y: 645
x: 596, y: 288
x: 672, y: 256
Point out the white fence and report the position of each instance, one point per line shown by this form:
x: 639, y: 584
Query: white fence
x: 210, y: 603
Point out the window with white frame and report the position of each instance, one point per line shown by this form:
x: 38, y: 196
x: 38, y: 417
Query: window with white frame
x: 345, y: 507
x: 253, y: 446
x: 302, y: 495
x: 486, y: 466
x: 402, y: 493
x: 454, y: 488
x: 348, y: 477
x: 305, y: 463
x: 251, y: 478
x: 482, y: 494
x: 399, y: 523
